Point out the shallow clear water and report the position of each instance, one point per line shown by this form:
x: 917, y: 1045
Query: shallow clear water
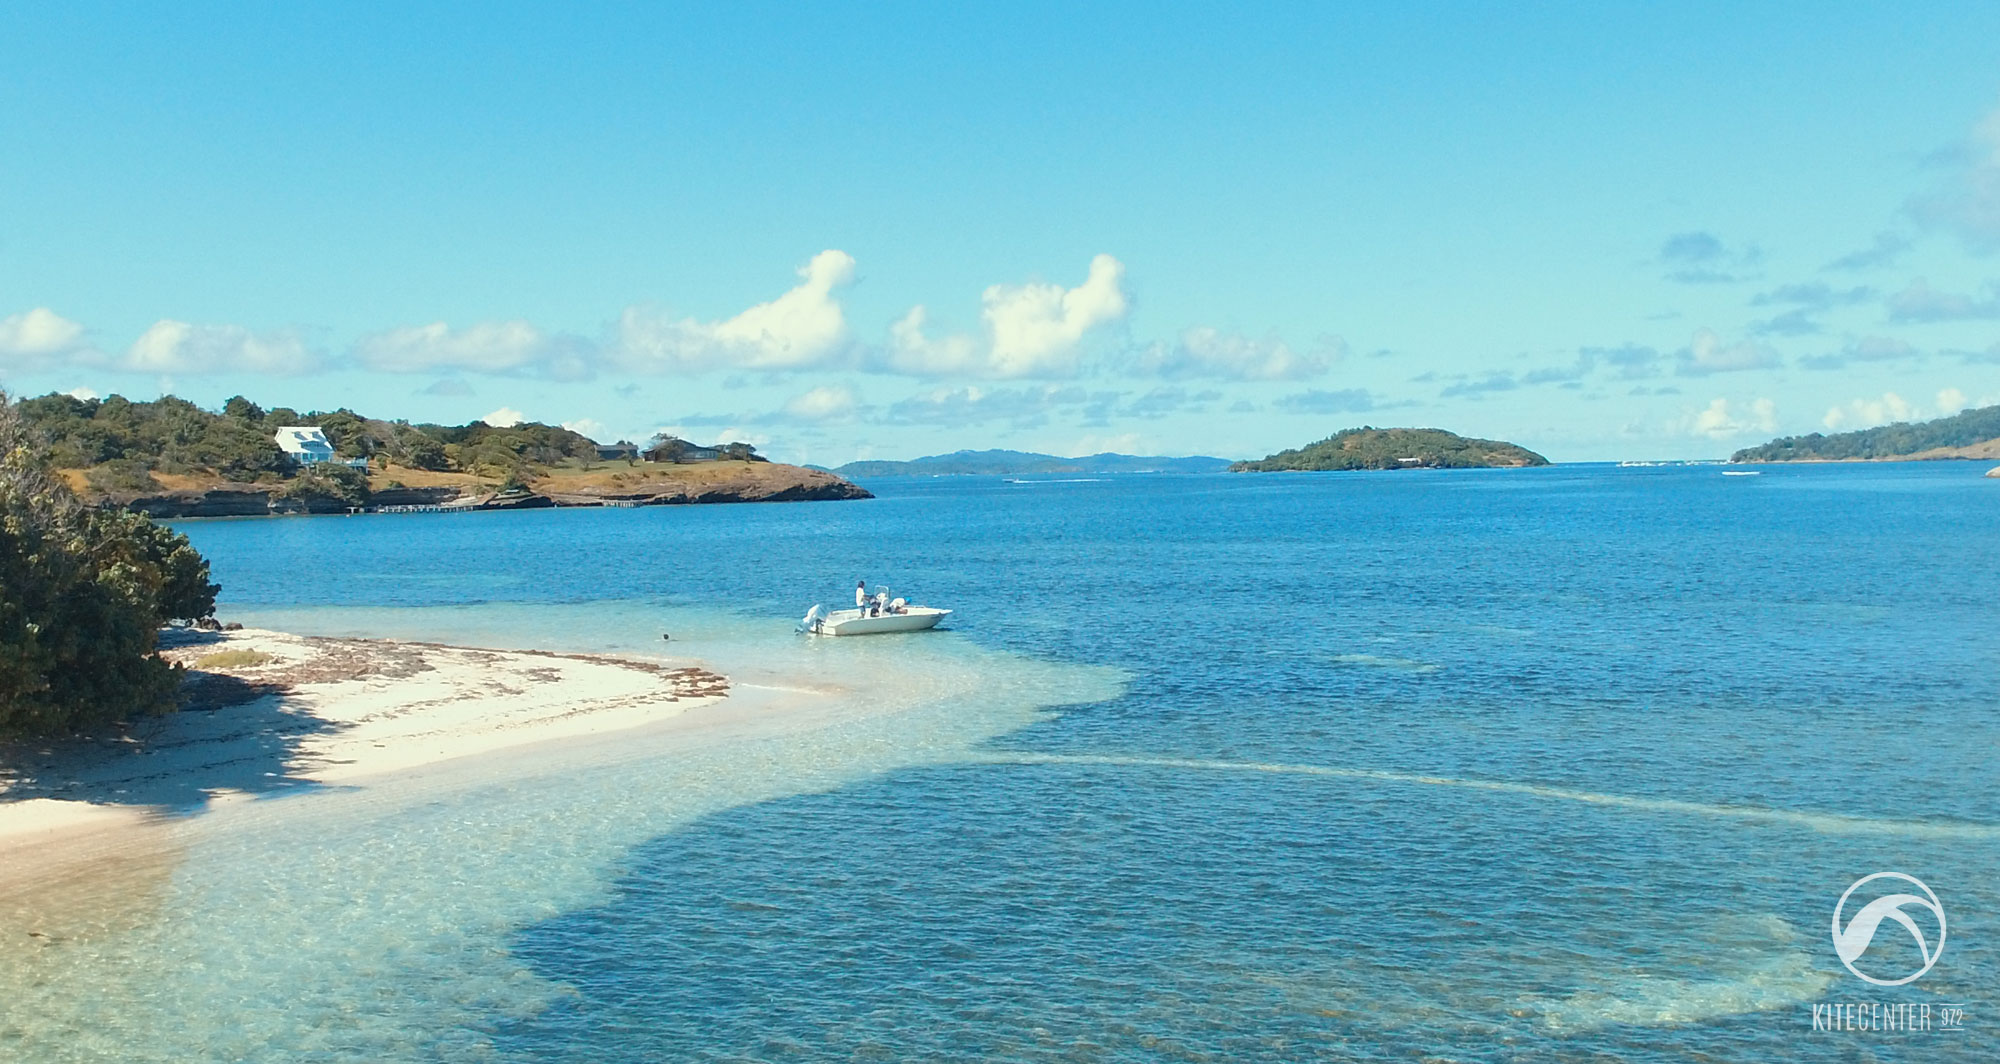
x: 1549, y: 764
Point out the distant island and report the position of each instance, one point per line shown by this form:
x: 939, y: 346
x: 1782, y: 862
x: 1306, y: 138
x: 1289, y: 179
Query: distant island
x: 170, y: 458
x: 1373, y: 448
x: 1972, y: 434
x: 1016, y: 463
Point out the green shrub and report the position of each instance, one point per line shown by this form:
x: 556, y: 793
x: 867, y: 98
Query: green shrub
x: 123, y: 475
x: 83, y: 593
x: 329, y: 481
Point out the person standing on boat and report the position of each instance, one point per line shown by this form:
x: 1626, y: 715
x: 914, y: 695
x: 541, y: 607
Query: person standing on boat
x: 861, y: 596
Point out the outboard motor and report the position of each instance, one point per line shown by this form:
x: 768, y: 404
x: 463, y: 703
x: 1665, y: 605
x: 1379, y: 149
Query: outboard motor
x: 813, y: 619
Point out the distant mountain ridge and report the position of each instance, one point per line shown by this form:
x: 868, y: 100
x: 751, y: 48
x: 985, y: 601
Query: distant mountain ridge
x: 1373, y: 448
x: 1014, y: 463
x: 1971, y: 434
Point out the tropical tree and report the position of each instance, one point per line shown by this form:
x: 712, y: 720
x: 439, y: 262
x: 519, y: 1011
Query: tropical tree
x: 666, y: 448
x: 83, y: 593
x: 243, y: 410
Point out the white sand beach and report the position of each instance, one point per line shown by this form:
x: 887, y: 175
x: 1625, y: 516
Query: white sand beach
x: 270, y: 711
x: 339, y: 826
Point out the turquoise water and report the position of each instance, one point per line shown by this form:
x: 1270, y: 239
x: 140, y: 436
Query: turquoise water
x: 1562, y: 764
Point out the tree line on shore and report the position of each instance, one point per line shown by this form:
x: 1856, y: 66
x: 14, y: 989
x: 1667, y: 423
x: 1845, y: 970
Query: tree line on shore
x: 85, y: 589
x: 120, y: 444
x: 83, y: 594
x: 1889, y: 441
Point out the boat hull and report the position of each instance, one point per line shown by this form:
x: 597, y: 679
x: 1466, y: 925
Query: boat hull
x: 851, y: 622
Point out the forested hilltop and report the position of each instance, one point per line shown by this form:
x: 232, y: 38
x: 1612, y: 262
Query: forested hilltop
x: 1373, y: 448
x: 1972, y: 434
x: 169, y: 457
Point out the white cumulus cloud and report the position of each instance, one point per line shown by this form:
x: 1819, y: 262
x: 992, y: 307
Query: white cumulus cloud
x: 803, y: 328
x: 913, y: 352
x: 504, y: 418
x: 1036, y: 329
x: 1036, y: 326
x: 38, y: 333
x: 485, y: 347
x: 828, y: 403
x: 1030, y: 330
x: 731, y: 433
x: 178, y: 347
x: 1721, y: 420
x: 1868, y: 413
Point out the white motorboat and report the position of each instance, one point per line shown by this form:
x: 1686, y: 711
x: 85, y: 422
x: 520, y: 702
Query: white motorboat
x: 893, y: 618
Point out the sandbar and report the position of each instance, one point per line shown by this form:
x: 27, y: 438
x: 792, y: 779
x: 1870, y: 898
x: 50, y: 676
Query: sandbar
x: 269, y: 711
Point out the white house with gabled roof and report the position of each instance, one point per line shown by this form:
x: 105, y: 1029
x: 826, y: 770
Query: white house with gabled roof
x: 307, y: 445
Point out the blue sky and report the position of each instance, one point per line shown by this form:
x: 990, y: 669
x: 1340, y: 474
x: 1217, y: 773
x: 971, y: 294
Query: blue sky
x: 884, y: 231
